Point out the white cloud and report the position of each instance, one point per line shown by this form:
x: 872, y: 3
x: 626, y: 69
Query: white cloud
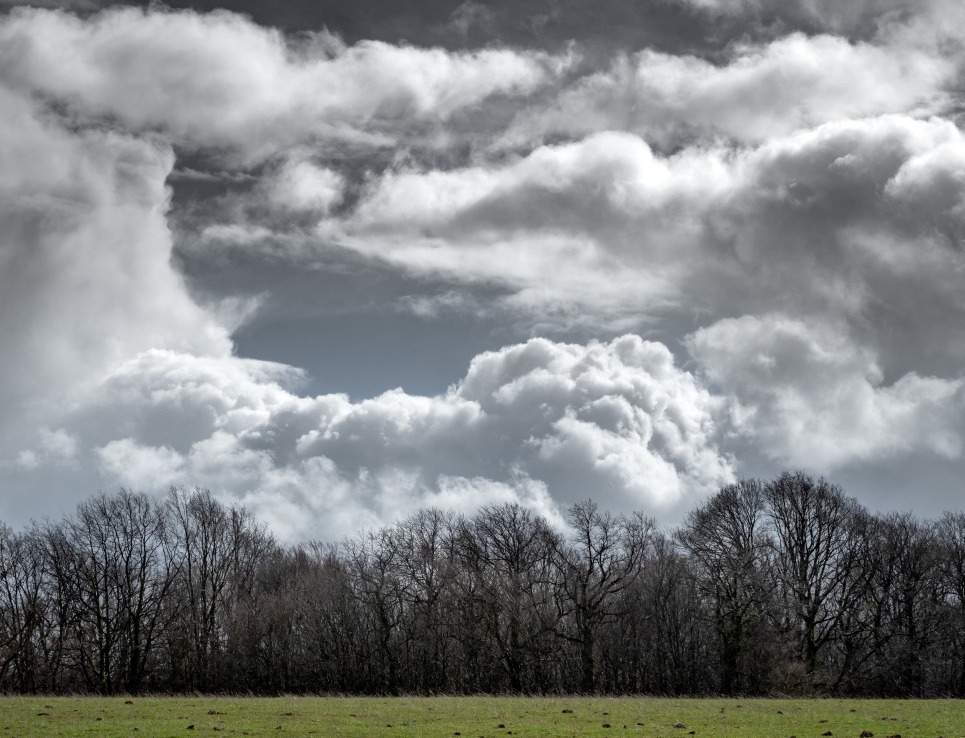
x: 141, y: 467
x: 220, y: 80
x: 85, y: 274
x: 54, y: 448
x: 602, y: 225
x: 302, y: 186
x: 853, y: 224
x: 808, y: 395
x: 855, y: 219
x: 762, y: 91
x: 542, y: 423
x: 814, y: 258
x: 236, y: 234
x: 831, y: 223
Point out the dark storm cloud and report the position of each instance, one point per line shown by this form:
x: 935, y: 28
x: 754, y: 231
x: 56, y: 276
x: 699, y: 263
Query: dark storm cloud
x: 702, y: 27
x: 856, y: 19
x: 454, y: 24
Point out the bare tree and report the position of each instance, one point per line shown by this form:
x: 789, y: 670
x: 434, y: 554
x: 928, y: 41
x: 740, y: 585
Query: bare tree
x: 507, y: 554
x: 730, y: 549
x: 426, y: 547
x: 23, y: 611
x: 910, y: 589
x: 219, y: 550
x: 818, y: 564
x: 113, y: 567
x: 661, y: 645
x: 602, y: 559
x: 788, y: 585
x: 374, y: 558
x: 951, y: 562
x: 333, y: 629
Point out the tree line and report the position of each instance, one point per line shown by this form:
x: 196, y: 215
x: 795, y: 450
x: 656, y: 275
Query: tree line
x: 785, y: 586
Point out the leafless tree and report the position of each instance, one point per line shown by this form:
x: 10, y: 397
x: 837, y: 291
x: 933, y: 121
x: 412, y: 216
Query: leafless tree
x: 506, y: 553
x: 426, y: 545
x: 818, y: 566
x: 114, y: 564
x: 910, y: 589
x: 219, y: 550
x: 602, y: 558
x: 23, y: 611
x: 661, y: 645
x: 950, y: 535
x: 375, y: 562
x: 728, y: 545
x: 788, y: 585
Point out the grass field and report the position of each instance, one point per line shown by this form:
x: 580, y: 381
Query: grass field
x: 161, y: 717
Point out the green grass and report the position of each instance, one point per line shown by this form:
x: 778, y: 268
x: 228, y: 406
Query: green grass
x: 438, y: 717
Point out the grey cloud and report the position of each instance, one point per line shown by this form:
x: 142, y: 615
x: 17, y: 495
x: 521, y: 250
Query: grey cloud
x: 826, y: 222
x: 73, y: 5
x: 853, y: 224
x: 856, y: 18
x: 189, y: 174
x: 547, y: 24
x: 85, y: 283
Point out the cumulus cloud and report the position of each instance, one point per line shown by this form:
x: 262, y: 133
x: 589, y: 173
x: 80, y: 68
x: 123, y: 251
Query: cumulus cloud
x: 600, y: 226
x: 856, y: 219
x: 540, y: 423
x: 790, y: 213
x: 809, y: 395
x: 141, y: 467
x: 219, y: 80
x: 829, y: 223
x: 54, y: 448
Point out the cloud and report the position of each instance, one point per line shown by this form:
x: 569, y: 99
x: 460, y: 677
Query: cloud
x: 600, y: 226
x: 76, y: 5
x: 853, y: 17
x: 808, y: 395
x: 86, y: 283
x: 788, y: 213
x: 85, y: 278
x: 857, y: 220
x: 470, y: 15
x: 830, y: 224
x: 542, y: 423
x: 761, y: 91
x: 140, y: 467
x: 300, y: 185
x: 853, y: 227
x: 54, y: 448
x: 218, y: 80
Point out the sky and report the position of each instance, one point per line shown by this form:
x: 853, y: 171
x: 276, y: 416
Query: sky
x: 338, y: 262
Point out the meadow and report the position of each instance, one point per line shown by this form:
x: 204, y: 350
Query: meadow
x: 477, y: 717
